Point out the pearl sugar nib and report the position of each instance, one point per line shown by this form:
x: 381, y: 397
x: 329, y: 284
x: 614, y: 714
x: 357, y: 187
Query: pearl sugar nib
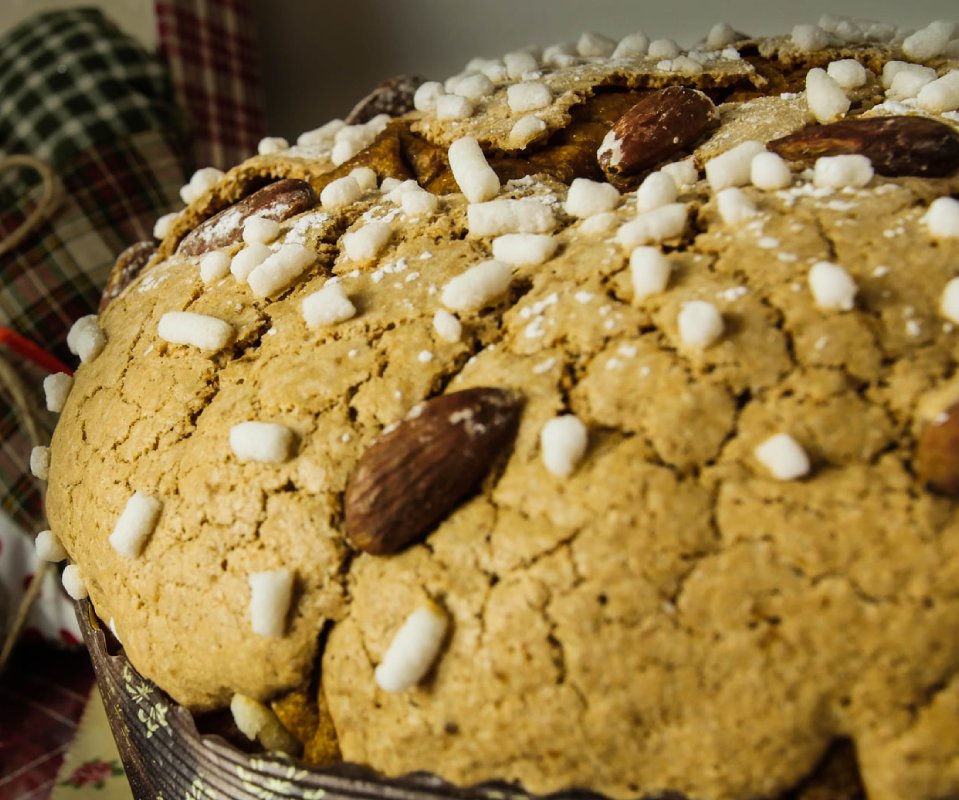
x: 271, y: 592
x: 563, y: 441
x: 700, y: 324
x: 265, y: 442
x: 86, y: 339
x: 136, y: 524
x: 327, y: 306
x: 196, y: 330
x: 471, y: 171
x: 413, y: 650
x: 783, y: 456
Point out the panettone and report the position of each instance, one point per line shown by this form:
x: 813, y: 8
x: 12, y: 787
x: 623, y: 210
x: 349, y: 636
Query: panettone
x: 585, y: 421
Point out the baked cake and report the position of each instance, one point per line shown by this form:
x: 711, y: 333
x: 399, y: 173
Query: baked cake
x: 587, y: 420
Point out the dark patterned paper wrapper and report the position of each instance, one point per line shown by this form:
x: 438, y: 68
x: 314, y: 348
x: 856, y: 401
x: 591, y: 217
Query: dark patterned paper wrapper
x: 165, y: 755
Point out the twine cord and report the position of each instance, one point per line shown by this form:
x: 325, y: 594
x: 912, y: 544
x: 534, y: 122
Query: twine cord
x: 45, y: 205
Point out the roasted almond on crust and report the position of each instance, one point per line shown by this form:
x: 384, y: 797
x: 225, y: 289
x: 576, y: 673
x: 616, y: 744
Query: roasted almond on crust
x: 418, y: 471
x: 128, y: 266
x: 662, y: 123
x: 937, y: 453
x: 393, y: 97
x: 897, y: 146
x: 277, y: 201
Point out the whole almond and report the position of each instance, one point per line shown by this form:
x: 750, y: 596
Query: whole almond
x: 937, y: 453
x: 393, y: 97
x: 661, y: 124
x: 897, y: 146
x: 128, y: 266
x: 277, y: 201
x: 418, y: 471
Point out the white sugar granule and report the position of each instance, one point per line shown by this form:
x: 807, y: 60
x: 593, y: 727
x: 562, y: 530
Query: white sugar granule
x: 327, y: 306
x: 598, y: 224
x: 848, y: 73
x: 832, y: 287
x: 259, y: 230
x: 824, y: 96
x: 196, y: 330
x: 164, y: 225
x: 271, y: 145
x: 586, y: 198
x: 341, y: 192
x: 684, y: 173
x: 86, y: 339
x: 248, y: 259
x: 413, y: 649
x: 324, y: 136
x: 200, y: 183
x: 424, y: 99
x: 663, y: 49
x: 700, y: 324
x: 809, y: 38
x: 733, y: 167
x: 908, y: 81
x: 497, y: 217
x: 563, y: 442
x: 721, y: 35
x: 280, y: 270
x: 367, y: 242
x: 528, y: 96
x: 653, y: 226
x: 657, y: 189
x: 594, y: 45
x: 56, y: 388
x: 770, y: 172
x: 397, y: 189
x: 40, y: 462
x: 838, y: 172
x: 270, y: 594
x: 783, y: 456
x: 941, y: 95
x: 632, y: 45
x: 478, y: 286
x: 471, y: 171
x: 265, y: 442
x: 73, y: 582
x: 447, y: 326
x: 214, y: 266
x: 474, y: 87
x: 524, y: 249
x: 650, y: 271
x: 525, y: 130
x: 734, y: 206
x: 418, y: 202
x: 135, y: 524
x: 928, y: 42
x: 365, y: 178
x: 949, y: 301
x: 942, y: 218
x: 452, y: 106
x: 49, y: 548
x: 519, y: 63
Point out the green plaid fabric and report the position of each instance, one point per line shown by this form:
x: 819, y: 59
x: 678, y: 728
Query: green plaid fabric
x: 85, y: 98
x: 70, y: 80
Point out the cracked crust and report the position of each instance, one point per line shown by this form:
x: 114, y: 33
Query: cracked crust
x: 670, y: 617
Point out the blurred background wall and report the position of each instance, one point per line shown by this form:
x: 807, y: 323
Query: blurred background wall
x: 318, y: 57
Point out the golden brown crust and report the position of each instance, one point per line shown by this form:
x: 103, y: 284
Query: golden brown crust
x: 670, y: 616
